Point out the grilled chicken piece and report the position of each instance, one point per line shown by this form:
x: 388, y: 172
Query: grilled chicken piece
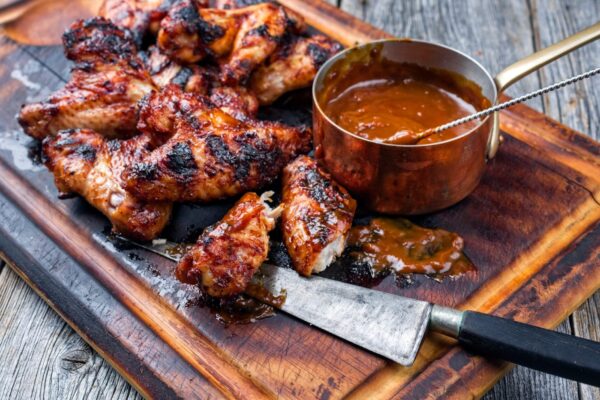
x: 241, y: 38
x: 293, y: 66
x: 295, y: 21
x: 188, y: 33
x: 235, y: 100
x: 206, y: 154
x: 139, y: 16
x: 262, y: 27
x: 316, y: 218
x: 86, y: 163
x: 105, y: 86
x: 165, y: 71
x: 227, y: 254
x: 233, y: 4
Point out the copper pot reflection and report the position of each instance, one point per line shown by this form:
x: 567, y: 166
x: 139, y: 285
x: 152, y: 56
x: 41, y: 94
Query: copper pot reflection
x: 418, y: 179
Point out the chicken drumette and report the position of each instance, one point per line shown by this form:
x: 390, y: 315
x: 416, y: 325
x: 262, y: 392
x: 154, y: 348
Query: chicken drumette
x: 107, y: 82
x: 139, y: 16
x: 86, y: 163
x: 204, y: 154
x: 241, y: 38
x: 317, y: 216
x: 293, y: 66
x: 227, y: 254
x: 164, y: 71
x: 235, y: 100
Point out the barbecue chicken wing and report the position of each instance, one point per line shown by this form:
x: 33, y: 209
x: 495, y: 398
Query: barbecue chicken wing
x: 227, y: 254
x: 204, y: 153
x: 139, y: 16
x: 293, y: 66
x: 242, y: 38
x: 105, y: 86
x: 295, y: 21
x: 165, y: 71
x: 235, y: 100
x: 317, y: 216
x: 86, y: 163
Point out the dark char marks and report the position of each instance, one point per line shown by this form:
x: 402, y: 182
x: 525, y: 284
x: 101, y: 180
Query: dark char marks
x: 180, y: 161
x: 252, y: 152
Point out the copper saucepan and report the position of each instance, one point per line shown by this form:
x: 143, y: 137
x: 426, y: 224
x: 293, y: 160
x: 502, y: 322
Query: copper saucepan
x: 418, y: 179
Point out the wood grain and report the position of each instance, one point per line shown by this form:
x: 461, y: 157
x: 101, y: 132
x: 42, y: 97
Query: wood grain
x: 43, y: 358
x: 246, y: 344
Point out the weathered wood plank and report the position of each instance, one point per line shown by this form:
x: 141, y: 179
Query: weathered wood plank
x: 551, y: 384
x: 41, y: 357
x: 577, y: 105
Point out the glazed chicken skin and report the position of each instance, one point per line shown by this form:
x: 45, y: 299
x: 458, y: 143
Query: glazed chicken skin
x: 84, y: 162
x: 241, y: 39
x: 164, y: 71
x: 205, y: 154
x: 235, y: 100
x: 228, y: 254
x: 139, y: 16
x: 293, y: 66
x: 106, y: 83
x: 317, y: 216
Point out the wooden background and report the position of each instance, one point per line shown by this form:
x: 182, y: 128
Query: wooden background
x: 41, y: 357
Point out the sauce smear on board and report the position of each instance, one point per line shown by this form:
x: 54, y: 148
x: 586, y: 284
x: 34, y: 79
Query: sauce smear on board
x: 401, y: 246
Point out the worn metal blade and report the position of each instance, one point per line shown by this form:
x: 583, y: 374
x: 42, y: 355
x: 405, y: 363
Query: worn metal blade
x: 388, y: 325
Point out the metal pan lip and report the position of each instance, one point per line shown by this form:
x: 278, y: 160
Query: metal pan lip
x: 325, y: 67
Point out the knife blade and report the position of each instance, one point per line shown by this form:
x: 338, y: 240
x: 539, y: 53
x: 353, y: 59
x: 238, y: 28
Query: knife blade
x: 394, y: 326
x: 388, y: 325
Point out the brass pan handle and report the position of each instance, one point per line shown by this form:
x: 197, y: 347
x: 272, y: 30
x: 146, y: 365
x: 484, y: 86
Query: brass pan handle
x: 527, y: 65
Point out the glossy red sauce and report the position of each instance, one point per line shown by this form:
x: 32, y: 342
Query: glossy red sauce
x: 387, y: 102
x: 404, y: 247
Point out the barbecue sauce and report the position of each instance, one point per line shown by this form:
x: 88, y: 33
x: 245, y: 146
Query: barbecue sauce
x: 385, y: 101
x: 403, y: 247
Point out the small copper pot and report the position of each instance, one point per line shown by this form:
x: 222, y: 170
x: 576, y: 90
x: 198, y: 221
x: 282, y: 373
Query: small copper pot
x: 418, y: 179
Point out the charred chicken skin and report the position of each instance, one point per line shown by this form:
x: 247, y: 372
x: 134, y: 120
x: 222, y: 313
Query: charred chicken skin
x: 235, y: 100
x: 227, y: 254
x: 139, y: 16
x: 241, y: 38
x: 107, y: 82
x: 317, y: 216
x: 204, y: 153
x: 86, y: 163
x: 165, y: 71
x: 292, y: 67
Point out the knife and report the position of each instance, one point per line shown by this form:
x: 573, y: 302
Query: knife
x: 394, y: 326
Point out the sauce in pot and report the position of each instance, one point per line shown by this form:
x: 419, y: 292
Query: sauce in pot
x: 386, y: 101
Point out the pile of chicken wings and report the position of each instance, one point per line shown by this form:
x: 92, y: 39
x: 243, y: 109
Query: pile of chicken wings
x: 162, y: 108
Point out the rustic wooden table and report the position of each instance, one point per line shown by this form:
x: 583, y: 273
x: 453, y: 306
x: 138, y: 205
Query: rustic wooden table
x: 41, y: 357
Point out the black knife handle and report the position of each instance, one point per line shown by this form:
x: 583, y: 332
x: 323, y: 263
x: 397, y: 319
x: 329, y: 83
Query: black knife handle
x: 548, y: 351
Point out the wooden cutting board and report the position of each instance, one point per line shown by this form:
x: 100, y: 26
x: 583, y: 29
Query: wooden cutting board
x: 532, y: 229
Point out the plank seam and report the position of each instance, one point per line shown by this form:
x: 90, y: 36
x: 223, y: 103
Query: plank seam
x: 41, y: 62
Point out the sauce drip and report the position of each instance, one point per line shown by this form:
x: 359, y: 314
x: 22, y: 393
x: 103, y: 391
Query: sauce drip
x: 401, y: 246
x: 387, y: 101
x: 237, y: 310
x: 179, y: 250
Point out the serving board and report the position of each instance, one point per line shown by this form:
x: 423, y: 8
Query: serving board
x: 532, y: 228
